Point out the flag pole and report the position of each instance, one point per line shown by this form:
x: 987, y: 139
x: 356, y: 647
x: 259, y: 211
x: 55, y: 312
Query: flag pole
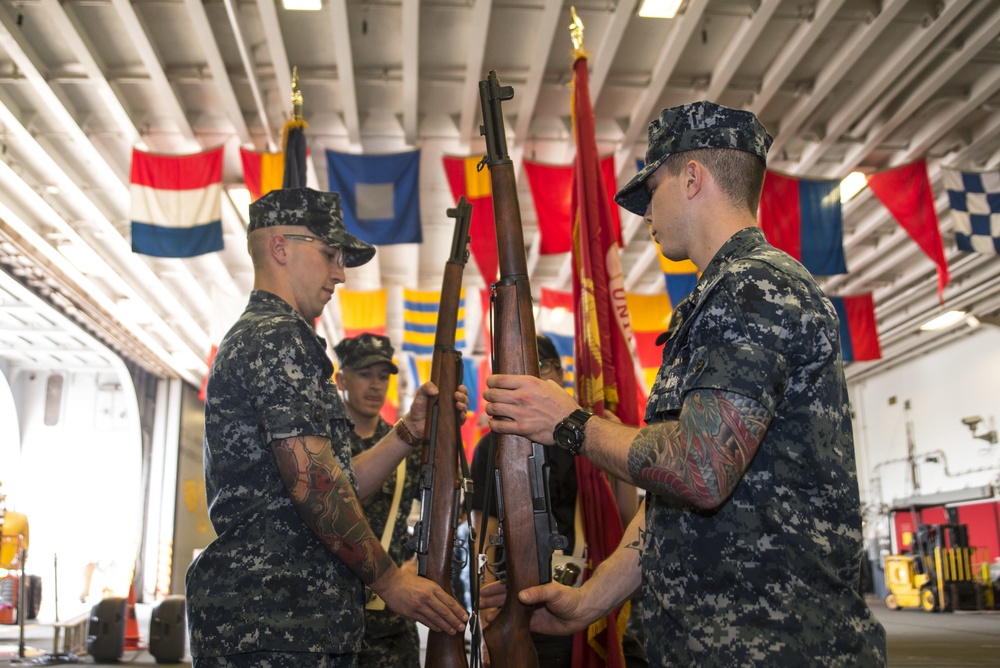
x: 293, y: 140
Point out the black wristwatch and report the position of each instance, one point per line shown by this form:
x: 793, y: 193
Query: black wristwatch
x: 568, y: 434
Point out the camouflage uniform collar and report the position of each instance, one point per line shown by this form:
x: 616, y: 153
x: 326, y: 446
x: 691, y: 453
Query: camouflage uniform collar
x: 265, y: 298
x: 735, y: 246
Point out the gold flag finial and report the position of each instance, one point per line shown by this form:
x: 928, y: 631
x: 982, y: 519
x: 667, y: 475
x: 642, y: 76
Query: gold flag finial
x: 296, y: 95
x: 576, y: 33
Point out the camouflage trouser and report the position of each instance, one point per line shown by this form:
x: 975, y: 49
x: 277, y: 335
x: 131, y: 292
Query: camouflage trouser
x: 276, y: 660
x: 396, y: 651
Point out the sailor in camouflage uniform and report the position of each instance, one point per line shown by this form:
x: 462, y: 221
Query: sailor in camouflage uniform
x: 391, y: 640
x: 749, y: 548
x: 283, y: 583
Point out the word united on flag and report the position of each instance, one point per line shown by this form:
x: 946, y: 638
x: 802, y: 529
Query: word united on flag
x: 380, y: 195
x: 176, y: 203
x: 974, y: 198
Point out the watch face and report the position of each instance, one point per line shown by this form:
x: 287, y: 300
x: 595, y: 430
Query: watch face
x: 567, y: 434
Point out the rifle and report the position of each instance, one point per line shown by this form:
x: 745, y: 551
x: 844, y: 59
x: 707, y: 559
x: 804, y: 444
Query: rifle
x: 527, y: 532
x: 443, y: 455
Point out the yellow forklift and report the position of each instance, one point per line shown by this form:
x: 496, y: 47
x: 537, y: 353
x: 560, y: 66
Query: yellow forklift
x: 942, y: 572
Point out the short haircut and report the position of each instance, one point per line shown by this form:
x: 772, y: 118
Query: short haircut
x: 740, y: 174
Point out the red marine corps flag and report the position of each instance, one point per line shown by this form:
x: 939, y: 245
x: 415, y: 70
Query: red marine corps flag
x: 606, y: 380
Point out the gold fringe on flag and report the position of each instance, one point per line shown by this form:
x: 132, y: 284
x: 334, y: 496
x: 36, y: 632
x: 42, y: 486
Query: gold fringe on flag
x: 295, y: 122
x: 576, y: 34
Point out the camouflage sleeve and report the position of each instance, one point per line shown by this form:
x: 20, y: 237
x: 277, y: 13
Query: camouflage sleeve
x: 325, y: 499
x: 731, y: 385
x: 300, y: 416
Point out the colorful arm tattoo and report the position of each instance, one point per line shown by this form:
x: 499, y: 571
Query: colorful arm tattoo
x: 325, y: 499
x: 701, y: 457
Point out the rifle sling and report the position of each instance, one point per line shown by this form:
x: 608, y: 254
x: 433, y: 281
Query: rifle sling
x: 375, y: 602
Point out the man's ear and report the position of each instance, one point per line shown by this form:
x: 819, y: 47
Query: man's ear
x: 694, y: 178
x: 338, y: 378
x: 277, y: 246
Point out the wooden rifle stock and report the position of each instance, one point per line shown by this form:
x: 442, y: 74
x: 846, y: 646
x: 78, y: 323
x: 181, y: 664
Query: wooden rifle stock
x: 441, y: 470
x: 526, y: 529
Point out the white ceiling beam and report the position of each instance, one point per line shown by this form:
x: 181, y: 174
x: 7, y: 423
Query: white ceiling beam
x: 982, y: 138
x: 981, y: 295
x: 135, y: 34
x: 682, y: 27
x: 411, y: 70
x: 276, y: 49
x: 833, y: 72
x: 604, y: 57
x: 896, y: 302
x: 987, y: 31
x: 83, y: 51
x: 982, y: 89
x: 282, y: 70
x: 881, y: 219
x: 874, y: 87
x: 98, y: 168
x: 83, y: 285
x: 739, y: 46
x: 220, y: 76
x: 347, y: 89
x: 793, y: 53
x: 478, y: 30
x: 545, y: 35
x: 104, y: 238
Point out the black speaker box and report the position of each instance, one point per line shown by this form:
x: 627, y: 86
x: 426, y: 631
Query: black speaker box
x: 106, y: 630
x: 168, y: 630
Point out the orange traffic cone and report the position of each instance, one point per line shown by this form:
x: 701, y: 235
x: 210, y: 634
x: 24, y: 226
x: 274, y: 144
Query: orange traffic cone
x: 132, y: 640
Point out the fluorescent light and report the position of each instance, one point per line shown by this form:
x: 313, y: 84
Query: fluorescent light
x: 303, y: 5
x: 659, y: 9
x: 972, y: 321
x: 942, y: 321
x: 852, y: 184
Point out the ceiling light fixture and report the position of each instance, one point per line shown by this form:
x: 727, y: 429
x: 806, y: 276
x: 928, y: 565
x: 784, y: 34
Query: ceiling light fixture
x: 852, y: 184
x: 302, y: 5
x: 659, y: 9
x: 943, y: 321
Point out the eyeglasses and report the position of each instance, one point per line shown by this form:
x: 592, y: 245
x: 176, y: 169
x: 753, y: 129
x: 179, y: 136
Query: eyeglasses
x: 548, y: 366
x: 335, y: 253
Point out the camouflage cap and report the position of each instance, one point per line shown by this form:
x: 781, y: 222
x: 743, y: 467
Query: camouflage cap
x: 321, y: 212
x: 690, y: 127
x: 365, y: 350
x: 546, y: 349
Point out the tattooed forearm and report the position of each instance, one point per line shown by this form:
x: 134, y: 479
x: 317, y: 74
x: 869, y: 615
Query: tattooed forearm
x: 325, y: 500
x: 701, y: 457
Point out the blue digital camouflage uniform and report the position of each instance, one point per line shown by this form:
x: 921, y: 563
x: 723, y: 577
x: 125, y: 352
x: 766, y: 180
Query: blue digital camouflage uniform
x: 770, y: 577
x: 391, y: 640
x: 266, y: 583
